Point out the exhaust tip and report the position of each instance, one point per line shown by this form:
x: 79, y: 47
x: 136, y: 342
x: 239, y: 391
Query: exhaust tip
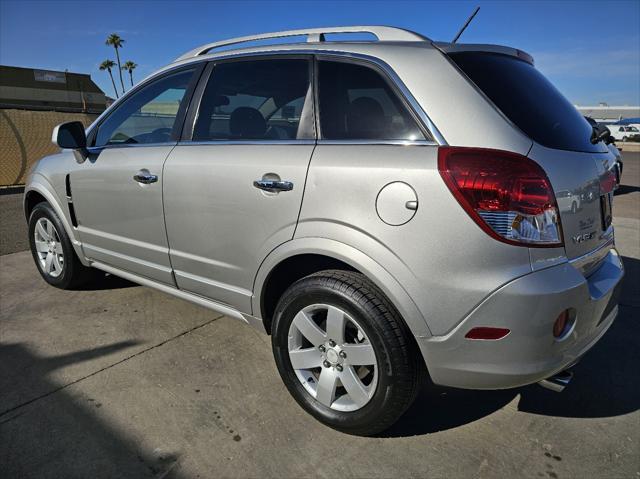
x: 557, y: 382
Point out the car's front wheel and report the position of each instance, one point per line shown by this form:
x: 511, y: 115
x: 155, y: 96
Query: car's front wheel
x: 344, y: 352
x: 53, y: 252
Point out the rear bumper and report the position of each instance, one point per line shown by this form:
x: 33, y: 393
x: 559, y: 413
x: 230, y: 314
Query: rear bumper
x: 528, y: 307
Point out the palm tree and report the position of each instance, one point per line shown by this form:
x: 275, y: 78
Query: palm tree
x: 130, y: 66
x: 115, y: 41
x: 108, y: 65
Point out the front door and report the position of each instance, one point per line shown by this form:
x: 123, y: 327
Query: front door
x: 117, y: 191
x: 234, y: 190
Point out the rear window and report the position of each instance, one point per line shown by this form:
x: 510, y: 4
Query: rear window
x: 528, y: 99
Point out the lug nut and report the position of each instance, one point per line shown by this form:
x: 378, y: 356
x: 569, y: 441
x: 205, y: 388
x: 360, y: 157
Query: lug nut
x: 321, y: 348
x: 326, y: 364
x: 339, y: 367
x: 332, y: 343
x: 343, y: 354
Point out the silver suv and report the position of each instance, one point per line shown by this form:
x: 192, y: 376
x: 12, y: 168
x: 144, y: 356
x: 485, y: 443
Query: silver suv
x: 385, y: 210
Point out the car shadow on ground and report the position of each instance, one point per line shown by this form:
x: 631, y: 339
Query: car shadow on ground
x: 103, y: 281
x: 606, y: 382
x: 64, y: 435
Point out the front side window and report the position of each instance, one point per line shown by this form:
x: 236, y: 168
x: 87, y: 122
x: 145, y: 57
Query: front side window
x: 147, y: 116
x: 356, y: 103
x: 253, y: 100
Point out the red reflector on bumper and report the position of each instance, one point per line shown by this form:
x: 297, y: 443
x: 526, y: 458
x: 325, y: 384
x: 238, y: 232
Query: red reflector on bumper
x: 487, y: 333
x: 561, y: 323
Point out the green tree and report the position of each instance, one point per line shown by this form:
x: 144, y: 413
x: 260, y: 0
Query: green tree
x: 108, y: 65
x: 130, y: 66
x: 116, y: 42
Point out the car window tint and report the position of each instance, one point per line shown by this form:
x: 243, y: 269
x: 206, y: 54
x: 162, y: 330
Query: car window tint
x: 356, y: 103
x: 528, y: 99
x: 148, y: 116
x: 253, y: 100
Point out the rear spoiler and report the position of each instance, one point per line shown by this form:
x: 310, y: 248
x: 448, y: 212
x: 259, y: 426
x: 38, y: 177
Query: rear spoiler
x: 446, y: 48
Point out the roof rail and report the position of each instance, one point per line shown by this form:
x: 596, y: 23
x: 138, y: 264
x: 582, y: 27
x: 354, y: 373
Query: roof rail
x: 382, y: 33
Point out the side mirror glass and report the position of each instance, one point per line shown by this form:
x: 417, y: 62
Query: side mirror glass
x: 71, y: 136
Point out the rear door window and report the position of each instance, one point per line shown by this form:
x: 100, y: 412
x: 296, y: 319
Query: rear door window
x: 253, y: 100
x: 356, y: 103
x: 528, y: 99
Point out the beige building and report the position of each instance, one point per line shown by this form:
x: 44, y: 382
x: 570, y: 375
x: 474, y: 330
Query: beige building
x: 32, y: 103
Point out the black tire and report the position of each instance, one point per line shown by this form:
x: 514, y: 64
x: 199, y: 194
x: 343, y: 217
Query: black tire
x: 400, y: 366
x: 74, y: 273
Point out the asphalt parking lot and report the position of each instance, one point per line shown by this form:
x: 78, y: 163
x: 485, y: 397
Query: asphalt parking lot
x: 119, y: 380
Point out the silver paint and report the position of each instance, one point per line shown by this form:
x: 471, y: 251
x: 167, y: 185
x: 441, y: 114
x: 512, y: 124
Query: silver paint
x: 205, y: 224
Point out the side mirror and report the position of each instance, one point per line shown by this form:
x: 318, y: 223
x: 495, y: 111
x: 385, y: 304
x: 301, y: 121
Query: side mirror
x: 71, y: 136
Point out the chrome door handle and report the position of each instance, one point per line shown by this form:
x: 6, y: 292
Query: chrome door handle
x: 144, y: 177
x: 273, y: 186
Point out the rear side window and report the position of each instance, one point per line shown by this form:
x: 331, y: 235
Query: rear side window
x: 356, y: 103
x: 253, y: 100
x: 528, y: 99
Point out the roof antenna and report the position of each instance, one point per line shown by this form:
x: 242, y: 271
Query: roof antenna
x: 464, y: 27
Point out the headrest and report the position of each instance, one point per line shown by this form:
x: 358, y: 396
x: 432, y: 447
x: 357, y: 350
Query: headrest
x: 365, y: 118
x: 247, y: 122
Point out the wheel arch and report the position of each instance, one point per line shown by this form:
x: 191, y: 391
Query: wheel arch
x: 31, y: 199
x: 309, y: 255
x: 39, y: 190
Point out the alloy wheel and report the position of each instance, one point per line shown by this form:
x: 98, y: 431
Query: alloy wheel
x: 48, y: 248
x: 332, y: 357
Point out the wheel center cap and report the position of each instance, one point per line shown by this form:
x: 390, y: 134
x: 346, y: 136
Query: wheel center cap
x: 332, y: 356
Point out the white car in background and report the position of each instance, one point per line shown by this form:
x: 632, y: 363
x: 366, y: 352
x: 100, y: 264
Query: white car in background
x: 623, y: 132
x: 568, y: 200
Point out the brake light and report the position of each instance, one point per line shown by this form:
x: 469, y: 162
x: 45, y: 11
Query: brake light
x: 608, y: 182
x: 508, y: 195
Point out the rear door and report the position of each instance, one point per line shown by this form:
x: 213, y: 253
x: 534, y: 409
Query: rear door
x: 233, y: 188
x: 581, y: 172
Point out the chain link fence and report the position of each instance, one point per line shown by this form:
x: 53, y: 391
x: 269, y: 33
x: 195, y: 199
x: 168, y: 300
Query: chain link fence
x: 25, y: 137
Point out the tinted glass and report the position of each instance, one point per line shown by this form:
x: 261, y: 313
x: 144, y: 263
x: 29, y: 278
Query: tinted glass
x: 148, y: 116
x: 528, y: 99
x: 356, y: 103
x: 253, y: 100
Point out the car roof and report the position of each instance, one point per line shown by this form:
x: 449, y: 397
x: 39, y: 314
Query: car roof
x: 314, y: 35
x: 386, y: 36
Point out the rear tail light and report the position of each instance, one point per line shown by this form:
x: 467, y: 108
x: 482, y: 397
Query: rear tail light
x: 508, y: 195
x: 608, y: 181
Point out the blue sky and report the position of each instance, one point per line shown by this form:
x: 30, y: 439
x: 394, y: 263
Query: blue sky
x: 589, y: 49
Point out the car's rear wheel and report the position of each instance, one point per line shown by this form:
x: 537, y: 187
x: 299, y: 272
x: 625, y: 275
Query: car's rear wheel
x: 53, y: 252
x: 344, y: 352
